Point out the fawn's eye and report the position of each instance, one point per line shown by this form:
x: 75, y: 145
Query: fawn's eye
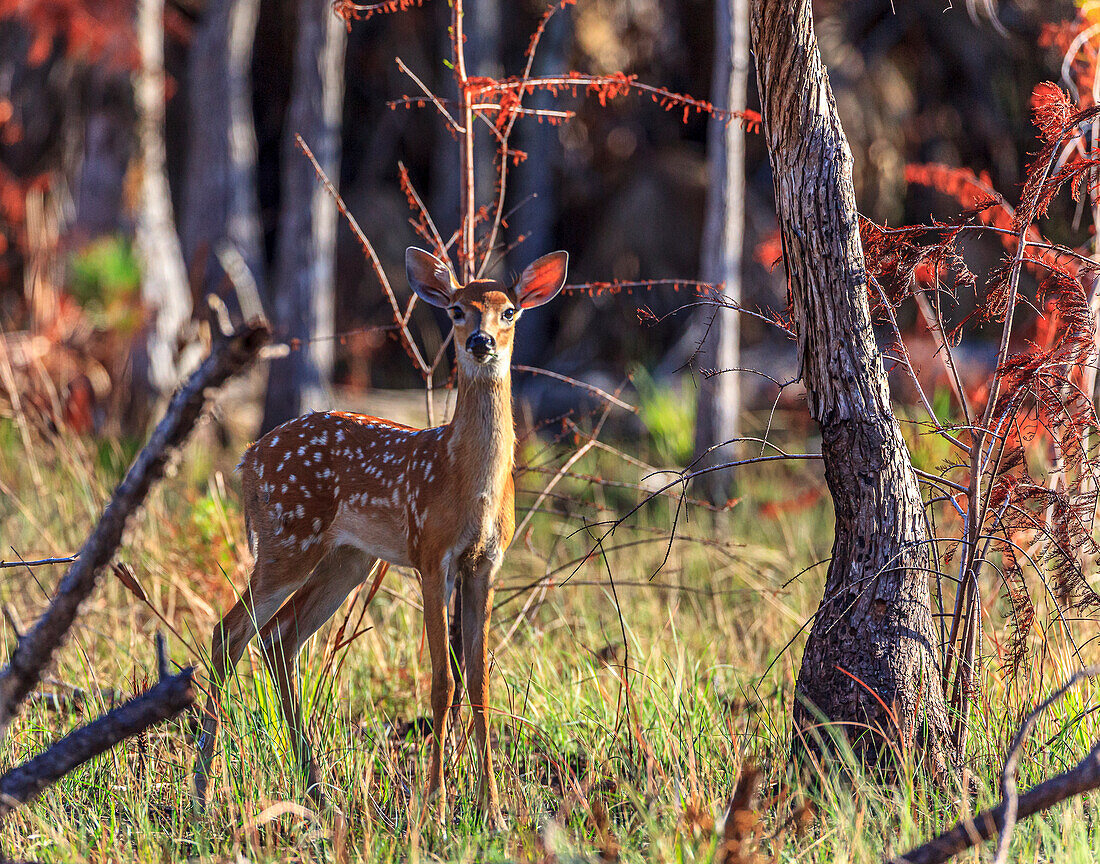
x: 456, y: 313
x: 508, y: 314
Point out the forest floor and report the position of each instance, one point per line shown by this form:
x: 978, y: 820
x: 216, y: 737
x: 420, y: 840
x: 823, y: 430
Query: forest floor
x: 629, y: 695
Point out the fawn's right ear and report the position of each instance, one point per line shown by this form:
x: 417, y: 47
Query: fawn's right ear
x: 429, y: 277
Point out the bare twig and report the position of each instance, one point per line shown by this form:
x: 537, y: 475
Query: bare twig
x: 573, y: 382
x: 376, y: 264
x: 467, y: 249
x: 34, y: 651
x: 42, y: 561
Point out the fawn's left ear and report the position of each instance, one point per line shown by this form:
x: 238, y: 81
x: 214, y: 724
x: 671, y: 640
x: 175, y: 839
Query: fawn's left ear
x: 542, y: 280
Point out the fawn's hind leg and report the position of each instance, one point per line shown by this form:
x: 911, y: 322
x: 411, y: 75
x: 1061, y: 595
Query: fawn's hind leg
x: 312, y: 605
x: 458, y: 663
x: 267, y: 590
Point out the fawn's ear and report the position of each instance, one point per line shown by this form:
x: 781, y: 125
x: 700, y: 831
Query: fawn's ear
x: 542, y: 280
x: 429, y: 277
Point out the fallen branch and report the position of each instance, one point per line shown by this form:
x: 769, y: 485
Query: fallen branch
x: 169, y: 697
x: 34, y: 650
x: 1000, y: 820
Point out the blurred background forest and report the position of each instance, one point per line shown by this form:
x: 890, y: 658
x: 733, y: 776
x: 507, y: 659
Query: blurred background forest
x: 89, y: 247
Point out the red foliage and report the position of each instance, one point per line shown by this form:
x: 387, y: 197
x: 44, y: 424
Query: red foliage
x: 99, y: 33
x: 751, y: 120
x: 1039, y: 397
x: 769, y: 251
x: 976, y: 193
x: 362, y: 11
x: 1051, y: 109
x: 505, y: 95
x: 1066, y: 35
x: 802, y: 501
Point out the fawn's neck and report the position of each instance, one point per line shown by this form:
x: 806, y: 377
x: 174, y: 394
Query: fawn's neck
x: 483, y: 432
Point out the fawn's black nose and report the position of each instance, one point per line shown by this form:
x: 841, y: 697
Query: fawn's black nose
x: 481, y: 345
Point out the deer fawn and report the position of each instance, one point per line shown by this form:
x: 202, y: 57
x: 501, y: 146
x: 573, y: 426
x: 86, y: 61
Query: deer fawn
x: 329, y: 496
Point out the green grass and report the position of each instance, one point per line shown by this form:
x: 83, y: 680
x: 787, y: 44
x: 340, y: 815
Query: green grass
x: 659, y: 751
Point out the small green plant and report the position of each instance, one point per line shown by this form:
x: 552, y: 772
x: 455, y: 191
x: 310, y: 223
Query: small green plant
x: 105, y: 280
x: 668, y: 412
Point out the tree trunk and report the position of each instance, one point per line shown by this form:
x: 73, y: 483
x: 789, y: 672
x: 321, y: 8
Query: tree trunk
x: 164, y: 287
x: 107, y: 147
x: 483, y: 58
x: 219, y: 196
x: 717, y: 418
x: 303, y: 278
x: 872, y: 643
x: 535, y: 181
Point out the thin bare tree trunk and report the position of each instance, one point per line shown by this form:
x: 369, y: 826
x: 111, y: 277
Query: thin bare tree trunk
x: 164, y: 285
x: 536, y: 184
x: 872, y: 661
x: 303, y: 281
x: 483, y: 58
x: 468, y: 196
x: 219, y: 197
x: 719, y: 409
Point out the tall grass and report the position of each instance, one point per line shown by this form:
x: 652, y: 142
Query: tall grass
x: 619, y: 725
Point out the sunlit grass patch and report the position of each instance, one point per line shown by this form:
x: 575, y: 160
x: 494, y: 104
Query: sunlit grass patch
x: 630, y: 692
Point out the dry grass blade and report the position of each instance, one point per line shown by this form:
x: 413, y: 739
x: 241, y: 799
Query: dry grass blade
x: 125, y: 575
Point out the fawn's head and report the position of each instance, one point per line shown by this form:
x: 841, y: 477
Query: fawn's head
x: 484, y: 311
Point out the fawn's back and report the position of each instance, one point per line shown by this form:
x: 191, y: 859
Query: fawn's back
x: 331, y: 479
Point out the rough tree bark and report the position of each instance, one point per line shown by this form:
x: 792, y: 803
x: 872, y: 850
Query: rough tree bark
x: 303, y: 280
x: 719, y: 408
x: 164, y: 287
x: 219, y: 195
x: 872, y: 655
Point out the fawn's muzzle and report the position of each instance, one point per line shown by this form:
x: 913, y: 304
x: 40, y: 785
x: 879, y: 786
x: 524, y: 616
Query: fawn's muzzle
x: 481, y: 345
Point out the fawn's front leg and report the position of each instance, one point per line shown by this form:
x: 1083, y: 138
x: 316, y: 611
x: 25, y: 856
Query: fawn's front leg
x: 443, y: 685
x: 477, y: 604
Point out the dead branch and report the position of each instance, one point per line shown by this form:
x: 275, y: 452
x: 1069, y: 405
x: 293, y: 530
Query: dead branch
x: 573, y: 382
x: 169, y: 697
x: 402, y: 321
x: 34, y: 650
x: 41, y: 562
x: 1008, y: 775
x: 1000, y: 820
